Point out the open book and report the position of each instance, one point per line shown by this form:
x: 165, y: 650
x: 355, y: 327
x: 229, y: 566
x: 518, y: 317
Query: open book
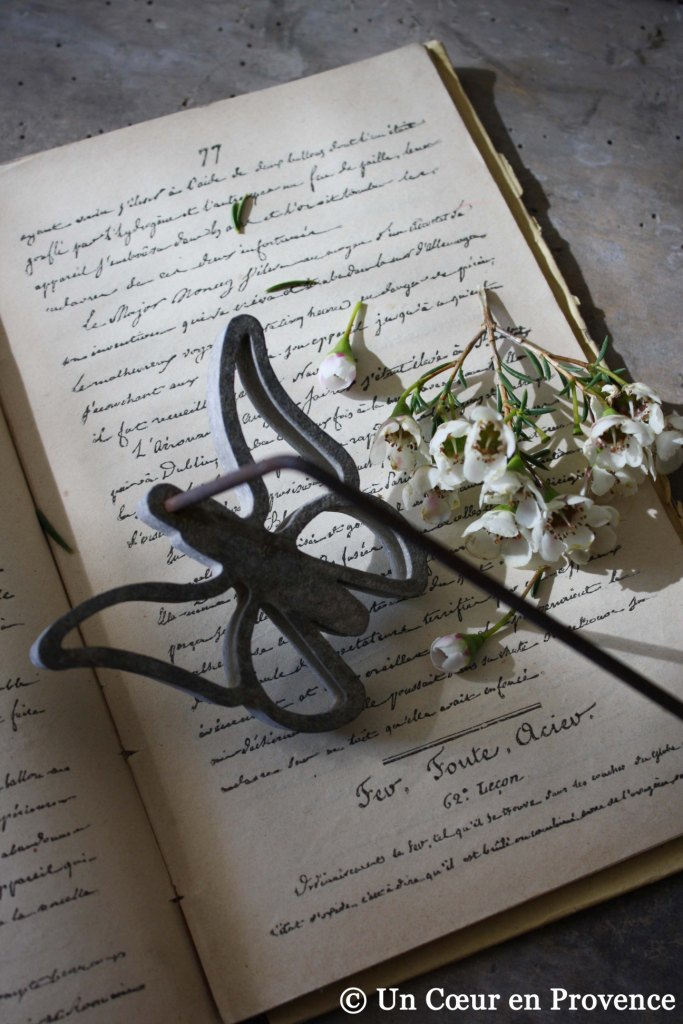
x: 162, y: 859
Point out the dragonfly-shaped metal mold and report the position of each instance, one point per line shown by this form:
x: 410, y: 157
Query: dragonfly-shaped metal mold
x: 305, y: 597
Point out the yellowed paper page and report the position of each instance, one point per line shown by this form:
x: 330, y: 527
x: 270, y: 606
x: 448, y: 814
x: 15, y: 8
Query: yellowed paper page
x: 304, y: 858
x: 88, y: 926
x: 585, y: 892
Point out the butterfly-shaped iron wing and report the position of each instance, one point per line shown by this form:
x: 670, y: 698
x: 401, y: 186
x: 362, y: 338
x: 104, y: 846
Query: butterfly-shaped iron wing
x: 304, y: 596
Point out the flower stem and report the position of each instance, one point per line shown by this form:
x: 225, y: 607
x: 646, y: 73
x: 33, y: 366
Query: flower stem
x: 356, y: 311
x: 343, y: 346
x: 457, y: 366
x: 550, y: 356
x: 490, y: 328
x: 452, y: 364
x: 615, y: 376
x: 559, y: 361
x: 575, y: 410
x: 535, y: 579
x: 531, y: 470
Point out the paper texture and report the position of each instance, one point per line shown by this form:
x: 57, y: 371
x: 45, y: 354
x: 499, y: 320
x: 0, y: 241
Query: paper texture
x: 301, y: 859
x: 87, y: 922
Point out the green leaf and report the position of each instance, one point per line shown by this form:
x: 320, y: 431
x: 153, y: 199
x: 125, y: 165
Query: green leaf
x: 572, y: 368
x: 539, y: 456
x: 547, y: 372
x: 239, y: 213
x: 565, y: 382
x: 441, y: 367
x: 282, y: 285
x: 538, y: 410
x: 49, y: 529
x: 533, y: 359
x: 537, y: 583
x: 599, y: 377
x: 603, y: 351
x: 521, y: 376
x: 509, y: 386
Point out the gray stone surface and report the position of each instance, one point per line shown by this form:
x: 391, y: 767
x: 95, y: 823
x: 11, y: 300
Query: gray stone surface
x: 584, y: 99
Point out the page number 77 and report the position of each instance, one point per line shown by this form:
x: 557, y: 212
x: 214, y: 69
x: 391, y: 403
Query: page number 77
x: 206, y: 150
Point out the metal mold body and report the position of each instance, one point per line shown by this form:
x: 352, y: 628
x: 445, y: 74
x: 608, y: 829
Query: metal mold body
x: 304, y: 596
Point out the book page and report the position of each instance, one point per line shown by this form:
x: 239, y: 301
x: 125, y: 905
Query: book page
x: 302, y: 858
x: 89, y: 926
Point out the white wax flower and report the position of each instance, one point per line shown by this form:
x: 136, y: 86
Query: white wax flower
x: 454, y: 652
x: 634, y: 401
x: 564, y: 526
x: 400, y: 438
x: 610, y: 392
x: 644, y: 405
x: 447, y: 449
x: 617, y: 481
x: 615, y: 441
x: 497, y: 534
x: 450, y: 653
x: 489, y: 444
x: 502, y: 487
x: 669, y: 444
x: 337, y: 371
x: 424, y: 487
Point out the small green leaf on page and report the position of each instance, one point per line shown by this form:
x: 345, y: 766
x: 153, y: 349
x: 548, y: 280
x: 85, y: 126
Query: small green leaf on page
x: 50, y: 531
x: 239, y: 212
x: 284, y: 285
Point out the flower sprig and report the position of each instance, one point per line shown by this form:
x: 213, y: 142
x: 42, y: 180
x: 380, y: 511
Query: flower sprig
x: 337, y: 371
x: 446, y: 439
x: 456, y: 651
